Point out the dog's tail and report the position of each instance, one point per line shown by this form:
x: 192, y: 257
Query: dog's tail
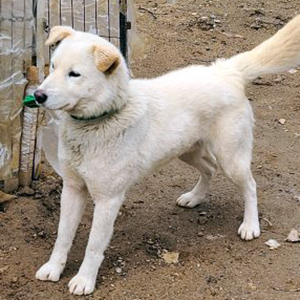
x: 279, y: 53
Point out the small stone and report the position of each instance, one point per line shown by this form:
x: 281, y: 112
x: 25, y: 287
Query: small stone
x: 6, y: 197
x: 204, y: 18
x: 297, y: 198
x: 118, y: 270
x: 15, y: 279
x: 202, y: 220
x: 252, y: 286
x: 200, y: 234
x: 278, y: 79
x: 42, y: 234
x: 281, y: 121
x: 2, y: 270
x: 211, y: 237
x: 273, y: 244
x: 238, y: 36
x: 170, y: 257
x: 26, y: 191
x: 293, y: 237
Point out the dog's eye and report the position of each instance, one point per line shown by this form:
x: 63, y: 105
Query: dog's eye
x: 74, y: 74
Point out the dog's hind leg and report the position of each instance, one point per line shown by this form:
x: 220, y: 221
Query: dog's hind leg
x: 203, y: 160
x: 233, y: 151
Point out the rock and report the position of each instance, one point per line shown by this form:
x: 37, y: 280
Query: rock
x: 42, y: 234
x: 238, y: 36
x: 6, y: 197
x: 293, y: 237
x: 2, y: 270
x: 211, y: 237
x: 273, y: 244
x: 281, y: 121
x: 256, y: 12
x: 26, y: 191
x: 278, y: 79
x: 202, y: 213
x: 202, y: 220
x: 170, y: 257
x: 15, y: 279
x: 297, y: 198
x: 118, y: 270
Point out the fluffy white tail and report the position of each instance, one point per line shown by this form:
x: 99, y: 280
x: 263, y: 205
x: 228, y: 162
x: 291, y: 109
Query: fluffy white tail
x: 279, y: 53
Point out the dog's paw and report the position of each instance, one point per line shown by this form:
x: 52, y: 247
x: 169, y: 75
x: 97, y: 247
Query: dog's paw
x: 189, y: 200
x: 49, y: 272
x: 81, y: 285
x: 249, y: 231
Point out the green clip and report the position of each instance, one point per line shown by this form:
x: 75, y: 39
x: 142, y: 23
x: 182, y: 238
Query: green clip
x: 29, y: 101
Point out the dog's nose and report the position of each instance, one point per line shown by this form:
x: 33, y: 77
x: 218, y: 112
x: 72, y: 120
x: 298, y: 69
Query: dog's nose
x: 40, y: 96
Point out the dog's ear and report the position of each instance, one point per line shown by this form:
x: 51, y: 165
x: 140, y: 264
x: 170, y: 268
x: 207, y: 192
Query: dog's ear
x: 106, y: 58
x: 58, y: 33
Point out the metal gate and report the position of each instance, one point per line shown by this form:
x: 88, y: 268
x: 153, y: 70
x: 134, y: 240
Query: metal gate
x: 102, y: 17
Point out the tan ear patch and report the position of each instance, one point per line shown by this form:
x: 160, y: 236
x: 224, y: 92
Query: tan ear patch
x: 58, y: 33
x: 106, y: 59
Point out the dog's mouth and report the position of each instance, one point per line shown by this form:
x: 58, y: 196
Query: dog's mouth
x: 65, y: 107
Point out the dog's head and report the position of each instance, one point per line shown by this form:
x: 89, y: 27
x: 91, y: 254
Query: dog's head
x: 87, y: 74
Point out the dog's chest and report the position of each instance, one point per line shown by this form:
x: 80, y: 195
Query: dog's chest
x: 106, y: 163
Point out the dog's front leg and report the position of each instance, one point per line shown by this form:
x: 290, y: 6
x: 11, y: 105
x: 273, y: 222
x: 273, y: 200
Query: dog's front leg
x: 105, y: 213
x: 73, y: 201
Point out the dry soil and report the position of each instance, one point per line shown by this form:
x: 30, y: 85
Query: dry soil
x: 214, y: 263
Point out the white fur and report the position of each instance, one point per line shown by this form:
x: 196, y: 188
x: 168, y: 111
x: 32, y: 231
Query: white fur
x: 199, y: 114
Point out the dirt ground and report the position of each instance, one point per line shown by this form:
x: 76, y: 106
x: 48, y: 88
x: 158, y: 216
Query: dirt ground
x: 214, y: 263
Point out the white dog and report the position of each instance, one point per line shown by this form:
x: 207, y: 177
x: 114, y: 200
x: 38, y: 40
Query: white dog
x: 115, y: 130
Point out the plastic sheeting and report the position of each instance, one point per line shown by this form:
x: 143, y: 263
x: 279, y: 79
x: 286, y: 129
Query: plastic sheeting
x: 16, y: 30
x: 29, y: 133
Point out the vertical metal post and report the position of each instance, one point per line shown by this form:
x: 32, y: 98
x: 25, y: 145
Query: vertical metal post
x: 123, y: 27
x: 40, y: 63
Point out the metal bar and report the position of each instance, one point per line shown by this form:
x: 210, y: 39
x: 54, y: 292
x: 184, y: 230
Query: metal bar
x: 0, y: 18
x: 84, y: 27
x: 108, y: 17
x: 60, y: 13
x: 96, y: 16
x: 72, y: 13
x: 123, y: 28
x: 49, y: 26
x: 24, y: 27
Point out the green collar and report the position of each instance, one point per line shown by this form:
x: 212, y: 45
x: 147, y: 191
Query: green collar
x: 102, y: 117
